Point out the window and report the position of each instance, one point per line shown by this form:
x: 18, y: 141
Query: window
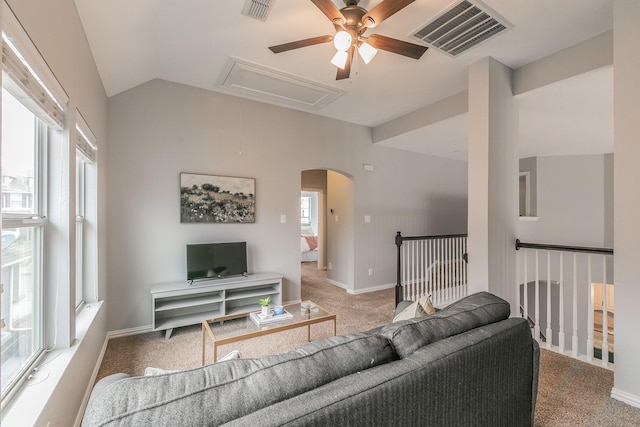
x: 305, y: 203
x: 23, y: 142
x: 86, y: 151
x: 33, y: 113
x: 80, y: 167
x: 524, y: 194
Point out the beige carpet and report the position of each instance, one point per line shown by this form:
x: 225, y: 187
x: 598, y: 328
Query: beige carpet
x: 571, y: 393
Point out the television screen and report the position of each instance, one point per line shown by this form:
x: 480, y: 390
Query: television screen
x: 215, y: 260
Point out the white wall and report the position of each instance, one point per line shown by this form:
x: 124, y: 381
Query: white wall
x: 160, y: 129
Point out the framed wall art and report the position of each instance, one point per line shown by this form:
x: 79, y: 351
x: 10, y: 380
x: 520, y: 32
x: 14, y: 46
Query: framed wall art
x: 220, y: 199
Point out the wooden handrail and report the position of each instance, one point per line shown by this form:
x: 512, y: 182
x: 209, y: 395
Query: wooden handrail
x: 584, y: 249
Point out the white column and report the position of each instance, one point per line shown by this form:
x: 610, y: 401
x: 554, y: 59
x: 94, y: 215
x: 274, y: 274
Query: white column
x: 492, y: 181
x: 626, y: 107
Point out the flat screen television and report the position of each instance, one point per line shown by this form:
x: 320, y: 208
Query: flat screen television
x: 216, y: 260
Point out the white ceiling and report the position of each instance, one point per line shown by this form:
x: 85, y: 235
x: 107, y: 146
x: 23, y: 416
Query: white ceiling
x: 192, y: 41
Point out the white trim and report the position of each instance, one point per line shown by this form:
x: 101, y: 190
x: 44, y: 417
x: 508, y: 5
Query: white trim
x: 130, y: 331
x: 27, y: 406
x: 527, y: 196
x: 372, y: 289
x: 338, y: 284
x: 628, y: 398
x: 360, y: 291
x: 94, y: 375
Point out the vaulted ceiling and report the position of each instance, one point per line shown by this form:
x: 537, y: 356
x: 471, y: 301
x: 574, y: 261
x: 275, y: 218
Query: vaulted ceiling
x: 204, y: 43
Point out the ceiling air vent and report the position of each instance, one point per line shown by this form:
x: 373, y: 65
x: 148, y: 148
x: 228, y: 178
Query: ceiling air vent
x: 461, y: 27
x: 258, y: 9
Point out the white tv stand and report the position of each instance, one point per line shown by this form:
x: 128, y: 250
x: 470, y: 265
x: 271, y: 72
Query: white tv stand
x: 182, y: 304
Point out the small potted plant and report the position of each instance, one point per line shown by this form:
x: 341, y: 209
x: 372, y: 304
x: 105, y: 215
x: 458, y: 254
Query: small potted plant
x: 264, y: 302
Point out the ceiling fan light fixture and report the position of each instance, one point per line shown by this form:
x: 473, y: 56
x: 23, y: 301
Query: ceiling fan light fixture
x: 342, y: 41
x: 367, y: 52
x: 340, y: 59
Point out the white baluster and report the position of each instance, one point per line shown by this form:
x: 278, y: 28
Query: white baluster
x: 525, y: 285
x: 536, y: 328
x: 574, y: 336
x: 548, y: 330
x: 590, y: 311
x: 605, y: 315
x: 561, y: 304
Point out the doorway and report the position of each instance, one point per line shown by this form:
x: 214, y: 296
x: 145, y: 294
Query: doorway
x: 332, y: 194
x: 312, y: 228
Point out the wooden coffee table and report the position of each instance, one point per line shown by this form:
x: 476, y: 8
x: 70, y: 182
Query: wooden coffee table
x: 248, y: 329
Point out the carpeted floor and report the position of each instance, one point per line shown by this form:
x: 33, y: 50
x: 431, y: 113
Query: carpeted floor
x: 570, y: 392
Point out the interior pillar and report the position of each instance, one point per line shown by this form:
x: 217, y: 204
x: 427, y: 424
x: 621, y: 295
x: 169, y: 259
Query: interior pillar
x: 626, y: 203
x: 492, y: 181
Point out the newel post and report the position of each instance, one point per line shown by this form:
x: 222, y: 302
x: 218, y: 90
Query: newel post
x: 398, y: 269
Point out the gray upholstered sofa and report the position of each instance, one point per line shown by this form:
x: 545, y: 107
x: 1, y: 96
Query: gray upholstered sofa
x: 467, y: 365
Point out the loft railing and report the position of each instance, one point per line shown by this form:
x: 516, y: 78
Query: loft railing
x: 568, y: 291
x: 434, y: 265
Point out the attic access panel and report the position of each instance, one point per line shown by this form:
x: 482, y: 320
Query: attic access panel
x: 461, y: 26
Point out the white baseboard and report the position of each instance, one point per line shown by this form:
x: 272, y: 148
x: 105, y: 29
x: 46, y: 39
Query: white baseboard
x: 338, y: 284
x: 628, y: 398
x: 360, y: 291
x: 372, y: 289
x: 130, y: 331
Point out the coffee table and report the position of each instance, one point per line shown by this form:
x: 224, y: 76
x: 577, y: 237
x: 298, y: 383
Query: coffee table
x: 248, y: 329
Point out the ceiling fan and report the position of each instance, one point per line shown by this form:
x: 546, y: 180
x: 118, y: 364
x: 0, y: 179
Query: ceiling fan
x: 350, y: 23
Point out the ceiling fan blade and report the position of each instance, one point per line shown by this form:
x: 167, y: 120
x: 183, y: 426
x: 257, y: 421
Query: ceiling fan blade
x: 384, y: 10
x: 329, y: 9
x: 343, y: 73
x: 400, y: 47
x: 300, y: 43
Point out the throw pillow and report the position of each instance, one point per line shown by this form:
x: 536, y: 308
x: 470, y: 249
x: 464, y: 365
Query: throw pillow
x: 150, y: 371
x: 427, y: 306
x: 235, y: 354
x: 422, y: 307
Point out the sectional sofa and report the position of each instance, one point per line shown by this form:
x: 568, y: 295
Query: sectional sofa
x: 469, y: 364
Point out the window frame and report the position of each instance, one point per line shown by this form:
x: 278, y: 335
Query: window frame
x: 308, y: 208
x: 28, y: 78
x: 37, y: 220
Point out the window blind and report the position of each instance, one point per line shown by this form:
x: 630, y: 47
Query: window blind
x: 86, y: 143
x: 28, y: 77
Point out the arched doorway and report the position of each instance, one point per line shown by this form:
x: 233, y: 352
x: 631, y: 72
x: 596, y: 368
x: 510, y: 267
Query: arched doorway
x: 327, y: 217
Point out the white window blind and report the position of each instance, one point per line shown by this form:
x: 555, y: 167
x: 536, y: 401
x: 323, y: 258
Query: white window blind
x: 34, y: 84
x: 86, y: 143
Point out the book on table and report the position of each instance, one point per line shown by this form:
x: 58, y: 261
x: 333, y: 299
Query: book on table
x: 259, y: 320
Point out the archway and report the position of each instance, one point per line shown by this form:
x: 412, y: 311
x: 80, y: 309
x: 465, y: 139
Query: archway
x: 327, y: 216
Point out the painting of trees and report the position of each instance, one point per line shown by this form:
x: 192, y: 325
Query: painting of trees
x: 211, y: 198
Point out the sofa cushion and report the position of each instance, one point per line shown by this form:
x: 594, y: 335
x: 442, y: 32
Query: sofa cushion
x: 224, y: 391
x: 470, y: 312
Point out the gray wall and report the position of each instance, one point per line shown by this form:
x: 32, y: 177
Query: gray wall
x: 571, y: 206
x: 160, y: 129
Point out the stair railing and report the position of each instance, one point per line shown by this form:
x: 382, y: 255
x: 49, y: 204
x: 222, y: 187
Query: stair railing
x: 554, y: 281
x: 434, y: 265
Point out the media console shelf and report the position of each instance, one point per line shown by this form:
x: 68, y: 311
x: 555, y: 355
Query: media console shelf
x: 181, y: 304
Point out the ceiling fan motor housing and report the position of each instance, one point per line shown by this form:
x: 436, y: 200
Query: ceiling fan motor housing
x: 353, y: 20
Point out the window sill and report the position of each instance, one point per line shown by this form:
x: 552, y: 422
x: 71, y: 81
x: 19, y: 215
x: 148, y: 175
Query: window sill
x: 527, y: 218
x: 29, y: 403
